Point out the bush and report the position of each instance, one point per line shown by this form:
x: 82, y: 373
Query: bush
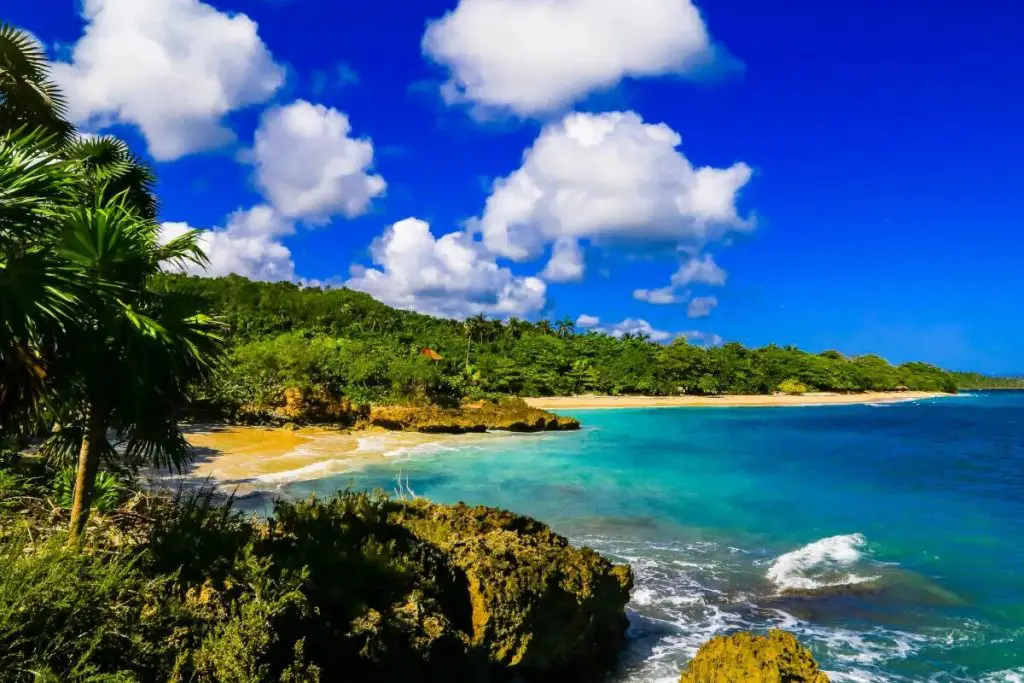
x: 107, y: 492
x: 793, y: 387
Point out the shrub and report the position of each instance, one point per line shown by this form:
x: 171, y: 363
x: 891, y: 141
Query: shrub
x: 107, y: 492
x: 793, y: 387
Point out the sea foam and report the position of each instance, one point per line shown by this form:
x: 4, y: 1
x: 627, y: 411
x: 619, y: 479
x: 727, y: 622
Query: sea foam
x: 824, y: 563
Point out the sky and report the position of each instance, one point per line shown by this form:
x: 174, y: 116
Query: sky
x: 830, y: 175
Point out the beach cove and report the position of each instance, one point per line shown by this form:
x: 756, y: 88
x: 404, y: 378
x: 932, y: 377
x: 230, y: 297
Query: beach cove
x: 882, y: 535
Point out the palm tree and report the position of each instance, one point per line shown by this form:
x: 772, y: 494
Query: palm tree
x: 545, y: 327
x: 82, y: 333
x: 514, y: 326
x: 132, y: 353
x: 110, y: 169
x: 566, y: 328
x: 39, y: 291
x: 28, y: 98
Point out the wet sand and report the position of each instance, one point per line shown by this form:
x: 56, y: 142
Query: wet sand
x: 242, y: 460
x: 585, y: 402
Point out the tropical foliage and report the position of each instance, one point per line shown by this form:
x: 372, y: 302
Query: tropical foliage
x: 346, y: 344
x: 85, y: 342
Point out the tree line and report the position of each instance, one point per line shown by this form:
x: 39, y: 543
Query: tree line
x: 283, y: 335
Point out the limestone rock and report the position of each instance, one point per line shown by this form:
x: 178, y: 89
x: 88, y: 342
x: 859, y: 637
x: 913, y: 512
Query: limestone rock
x: 749, y: 658
x: 541, y: 608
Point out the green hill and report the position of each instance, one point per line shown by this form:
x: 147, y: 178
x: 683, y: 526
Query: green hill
x: 344, y: 344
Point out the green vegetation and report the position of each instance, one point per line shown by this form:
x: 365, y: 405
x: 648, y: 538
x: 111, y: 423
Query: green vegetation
x: 974, y: 380
x: 357, y: 587
x: 793, y: 387
x: 85, y: 342
x: 342, y: 344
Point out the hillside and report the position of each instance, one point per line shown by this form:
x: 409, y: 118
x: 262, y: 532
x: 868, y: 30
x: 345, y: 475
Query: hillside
x: 974, y: 380
x: 337, y: 343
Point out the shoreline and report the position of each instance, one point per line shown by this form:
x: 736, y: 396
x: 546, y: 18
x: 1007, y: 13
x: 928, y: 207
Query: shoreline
x: 243, y: 460
x: 729, y: 401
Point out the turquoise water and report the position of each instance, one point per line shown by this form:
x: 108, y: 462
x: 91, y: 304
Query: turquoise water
x: 901, y: 526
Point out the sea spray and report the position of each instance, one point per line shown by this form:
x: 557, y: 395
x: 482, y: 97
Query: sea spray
x: 821, y: 564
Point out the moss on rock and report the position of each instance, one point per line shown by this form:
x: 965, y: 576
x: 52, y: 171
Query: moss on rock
x: 747, y: 658
x: 541, y: 608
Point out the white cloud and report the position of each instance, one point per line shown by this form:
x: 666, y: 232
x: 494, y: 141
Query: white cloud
x: 587, y: 321
x: 703, y: 338
x: 662, y: 296
x: 174, y: 68
x: 535, y: 56
x: 700, y: 271
x: 635, y: 327
x: 701, y: 306
x: 446, y: 276
x: 694, y: 271
x: 309, y: 167
x: 610, y: 177
x: 248, y: 245
x: 566, y: 264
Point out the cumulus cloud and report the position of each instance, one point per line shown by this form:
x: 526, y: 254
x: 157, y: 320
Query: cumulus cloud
x: 174, y: 68
x: 587, y: 321
x: 636, y: 327
x: 446, y: 276
x: 309, y: 166
x: 694, y: 271
x: 610, y: 177
x: 661, y: 296
x: 702, y: 338
x: 566, y: 264
x: 701, y: 306
x: 700, y: 271
x: 535, y: 56
x: 248, y: 245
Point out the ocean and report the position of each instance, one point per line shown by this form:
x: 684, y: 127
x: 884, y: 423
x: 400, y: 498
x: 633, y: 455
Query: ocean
x: 889, y: 538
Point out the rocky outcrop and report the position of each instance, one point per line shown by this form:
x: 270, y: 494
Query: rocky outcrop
x: 540, y: 609
x: 511, y: 415
x: 304, y: 406
x: 775, y: 658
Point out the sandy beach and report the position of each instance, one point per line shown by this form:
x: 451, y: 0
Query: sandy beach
x: 241, y: 460
x: 586, y: 402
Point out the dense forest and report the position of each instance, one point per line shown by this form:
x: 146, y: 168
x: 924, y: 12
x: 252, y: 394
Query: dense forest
x: 974, y: 380
x: 346, y: 343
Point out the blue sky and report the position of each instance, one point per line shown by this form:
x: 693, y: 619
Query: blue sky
x: 862, y: 187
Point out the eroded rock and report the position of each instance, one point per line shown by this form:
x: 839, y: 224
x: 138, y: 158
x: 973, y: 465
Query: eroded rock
x: 747, y: 658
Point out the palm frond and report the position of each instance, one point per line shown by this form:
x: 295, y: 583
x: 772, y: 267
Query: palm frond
x: 27, y: 95
x: 112, y: 169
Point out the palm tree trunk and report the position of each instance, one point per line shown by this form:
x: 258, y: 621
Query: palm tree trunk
x: 85, y: 480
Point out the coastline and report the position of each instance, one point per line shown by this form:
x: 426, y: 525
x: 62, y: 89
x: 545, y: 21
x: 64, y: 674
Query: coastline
x: 241, y: 460
x: 729, y: 401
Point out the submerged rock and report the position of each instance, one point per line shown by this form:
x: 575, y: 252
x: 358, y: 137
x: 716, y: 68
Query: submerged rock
x: 541, y: 609
x: 748, y: 658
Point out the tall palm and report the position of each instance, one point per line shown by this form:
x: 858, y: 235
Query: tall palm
x: 28, y: 98
x: 133, y: 353
x: 566, y: 328
x: 545, y: 327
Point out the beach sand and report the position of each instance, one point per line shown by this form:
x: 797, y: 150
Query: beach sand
x: 585, y: 402
x: 242, y: 460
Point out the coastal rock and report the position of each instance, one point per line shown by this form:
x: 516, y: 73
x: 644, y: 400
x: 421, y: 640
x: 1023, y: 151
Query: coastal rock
x: 775, y: 658
x: 541, y: 609
x: 304, y: 406
x: 511, y: 414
